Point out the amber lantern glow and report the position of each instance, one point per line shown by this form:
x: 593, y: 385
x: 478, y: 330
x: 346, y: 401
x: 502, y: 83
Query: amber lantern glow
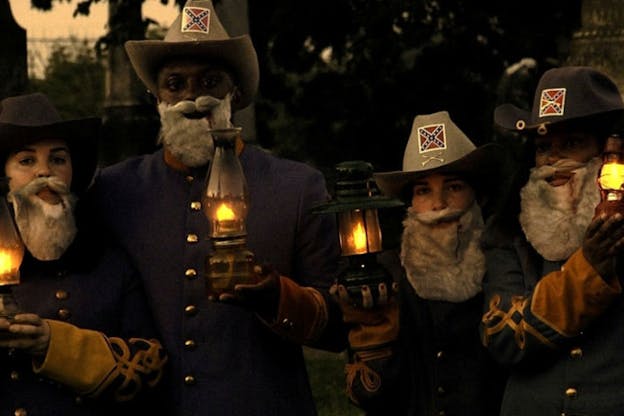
x: 611, y: 178
x: 11, y: 255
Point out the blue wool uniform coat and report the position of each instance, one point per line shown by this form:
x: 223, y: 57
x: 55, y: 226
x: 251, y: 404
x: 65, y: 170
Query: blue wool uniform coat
x: 224, y: 360
x: 559, y: 326
x: 90, y: 287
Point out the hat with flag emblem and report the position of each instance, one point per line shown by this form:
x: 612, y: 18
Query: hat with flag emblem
x: 437, y: 145
x: 563, y: 94
x: 197, y: 33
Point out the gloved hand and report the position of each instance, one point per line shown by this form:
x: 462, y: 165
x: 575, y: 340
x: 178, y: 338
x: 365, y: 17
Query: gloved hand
x: 261, y: 297
x: 27, y: 332
x: 371, y: 326
x: 604, y: 239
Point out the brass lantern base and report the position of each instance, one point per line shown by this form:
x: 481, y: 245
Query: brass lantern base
x: 8, y: 304
x: 230, y: 264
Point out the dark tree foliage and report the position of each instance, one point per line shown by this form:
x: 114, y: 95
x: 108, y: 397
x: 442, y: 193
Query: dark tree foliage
x: 74, y: 80
x: 390, y: 60
x: 343, y: 79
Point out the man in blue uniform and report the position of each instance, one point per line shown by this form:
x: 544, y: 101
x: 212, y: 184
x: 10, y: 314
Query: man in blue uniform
x: 242, y: 357
x: 554, y: 308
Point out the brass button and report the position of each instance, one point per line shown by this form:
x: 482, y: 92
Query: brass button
x: 287, y: 324
x: 61, y: 273
x: 14, y: 375
x: 439, y: 354
x: 440, y: 390
x: 189, y: 344
x: 576, y: 353
x: 189, y: 380
x: 195, y: 205
x: 20, y: 411
x: 190, y: 310
x: 571, y: 392
x: 192, y: 238
x: 78, y: 400
x: 61, y: 294
x: 64, y: 314
x: 190, y: 273
x: 189, y: 179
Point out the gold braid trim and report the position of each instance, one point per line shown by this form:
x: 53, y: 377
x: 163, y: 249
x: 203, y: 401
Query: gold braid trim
x: 132, y: 370
x: 369, y: 378
x: 496, y: 319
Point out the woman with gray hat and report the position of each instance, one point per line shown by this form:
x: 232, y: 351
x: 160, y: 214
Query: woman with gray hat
x: 421, y: 354
x: 554, y: 309
x: 73, y: 346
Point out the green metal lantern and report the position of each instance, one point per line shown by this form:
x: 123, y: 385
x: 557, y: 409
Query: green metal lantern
x: 356, y: 203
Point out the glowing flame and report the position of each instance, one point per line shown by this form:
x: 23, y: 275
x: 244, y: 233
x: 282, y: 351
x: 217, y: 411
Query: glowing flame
x: 10, y: 260
x: 225, y: 213
x: 612, y: 176
x: 359, y: 237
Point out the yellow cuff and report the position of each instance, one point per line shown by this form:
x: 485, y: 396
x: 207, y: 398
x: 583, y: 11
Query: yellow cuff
x: 302, y: 314
x: 78, y: 358
x: 567, y: 300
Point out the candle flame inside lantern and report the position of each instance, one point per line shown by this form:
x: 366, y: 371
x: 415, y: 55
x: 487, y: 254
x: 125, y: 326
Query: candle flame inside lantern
x: 225, y: 213
x: 612, y: 176
x: 10, y: 260
x: 359, y: 238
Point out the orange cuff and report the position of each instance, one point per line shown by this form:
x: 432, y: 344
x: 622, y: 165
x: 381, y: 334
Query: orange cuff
x: 569, y: 299
x: 302, y: 313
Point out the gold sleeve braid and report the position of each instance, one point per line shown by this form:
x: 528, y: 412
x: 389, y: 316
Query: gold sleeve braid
x: 496, y: 320
x: 138, y: 362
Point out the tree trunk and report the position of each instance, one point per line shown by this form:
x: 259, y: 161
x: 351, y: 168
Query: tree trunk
x: 13, y: 61
x: 600, y: 40
x: 130, y: 119
x: 235, y: 18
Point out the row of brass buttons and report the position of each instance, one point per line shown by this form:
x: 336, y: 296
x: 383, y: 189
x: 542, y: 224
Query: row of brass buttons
x: 191, y: 310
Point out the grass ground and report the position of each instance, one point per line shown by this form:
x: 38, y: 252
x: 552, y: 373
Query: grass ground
x: 326, y: 372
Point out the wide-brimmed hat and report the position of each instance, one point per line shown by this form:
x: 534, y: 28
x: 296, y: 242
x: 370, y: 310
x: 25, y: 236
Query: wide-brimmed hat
x: 437, y: 145
x: 563, y: 94
x: 29, y: 118
x: 198, y: 33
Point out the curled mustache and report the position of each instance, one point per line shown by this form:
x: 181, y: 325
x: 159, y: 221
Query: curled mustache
x: 206, y: 105
x: 436, y: 217
x: 33, y: 187
x: 562, y: 165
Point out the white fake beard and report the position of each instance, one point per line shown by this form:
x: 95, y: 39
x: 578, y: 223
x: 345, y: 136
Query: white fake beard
x: 444, y: 263
x: 188, y: 139
x: 47, y: 230
x: 555, y: 218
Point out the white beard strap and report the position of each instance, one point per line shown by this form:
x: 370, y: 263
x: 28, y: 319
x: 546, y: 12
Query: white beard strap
x: 444, y: 263
x: 189, y: 139
x: 555, y: 218
x: 47, y: 230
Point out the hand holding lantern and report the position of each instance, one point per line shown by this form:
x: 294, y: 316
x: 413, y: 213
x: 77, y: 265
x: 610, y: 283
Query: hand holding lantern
x: 360, y: 234
x: 611, y: 178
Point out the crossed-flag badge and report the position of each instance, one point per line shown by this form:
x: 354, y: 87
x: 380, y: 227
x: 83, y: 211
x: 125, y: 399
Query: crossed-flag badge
x: 195, y: 19
x: 552, y: 102
x: 432, y: 137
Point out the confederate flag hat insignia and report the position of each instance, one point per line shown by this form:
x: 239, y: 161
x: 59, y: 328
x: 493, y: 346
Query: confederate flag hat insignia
x: 552, y: 102
x: 195, y: 19
x: 432, y: 137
